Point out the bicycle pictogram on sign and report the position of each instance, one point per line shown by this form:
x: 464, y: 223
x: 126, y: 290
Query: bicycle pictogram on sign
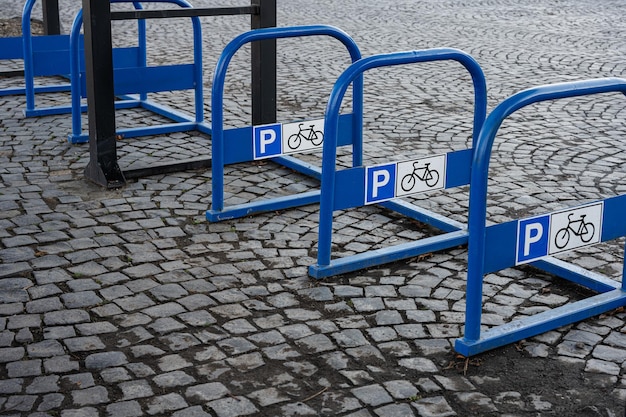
x: 578, y: 227
x: 429, y: 176
x: 419, y: 175
x: 316, y: 137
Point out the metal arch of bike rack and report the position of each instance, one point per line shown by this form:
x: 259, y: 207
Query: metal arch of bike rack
x: 29, y: 48
x: 235, y: 145
x: 499, y: 240
x: 51, y: 56
x: 344, y: 189
x: 136, y: 77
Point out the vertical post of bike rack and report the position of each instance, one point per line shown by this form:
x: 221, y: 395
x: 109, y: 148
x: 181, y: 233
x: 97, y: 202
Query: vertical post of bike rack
x: 264, y: 65
x: 103, y: 168
x: 51, y: 21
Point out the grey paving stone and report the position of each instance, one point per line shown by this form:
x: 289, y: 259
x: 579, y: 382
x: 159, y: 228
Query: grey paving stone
x: 84, y: 344
x: 124, y: 409
x: 166, y: 404
x: 45, y: 349
x: 11, y: 386
x: 206, y: 392
x: 60, y: 364
x: 297, y: 409
x: 77, y: 381
x: 180, y: 341
x: 419, y: 364
x: 400, y: 389
x: 80, y: 412
x: 135, y: 389
x: 246, y: 362
x: 64, y: 317
x: 81, y: 299
x: 43, y: 385
x: 317, y: 293
x: 233, y: 407
x: 195, y: 411
x: 11, y: 354
x: 105, y: 360
x: 113, y: 375
x: 51, y: 402
x: 173, y: 379
x: 350, y: 338
x: 59, y: 332
x: 316, y: 343
x: 24, y: 320
x: 394, y: 410
x: 44, y: 305
x: 433, y: 407
x: 20, y: 402
x: 24, y: 368
x: 89, y: 396
x: 140, y: 370
x: 269, y: 396
x: 89, y: 329
x: 373, y: 395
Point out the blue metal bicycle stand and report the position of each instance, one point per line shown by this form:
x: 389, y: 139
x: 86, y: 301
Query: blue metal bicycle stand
x: 235, y: 145
x: 134, y: 76
x: 36, y: 52
x: 534, y: 240
x: 383, y: 184
x: 50, y: 56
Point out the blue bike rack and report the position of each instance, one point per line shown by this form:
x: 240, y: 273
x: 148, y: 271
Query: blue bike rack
x: 49, y: 56
x: 346, y: 188
x: 534, y: 240
x: 235, y: 145
x: 40, y: 55
x: 137, y: 78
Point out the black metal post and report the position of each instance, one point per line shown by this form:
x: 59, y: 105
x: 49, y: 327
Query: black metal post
x: 51, y: 21
x: 103, y: 168
x: 264, y: 66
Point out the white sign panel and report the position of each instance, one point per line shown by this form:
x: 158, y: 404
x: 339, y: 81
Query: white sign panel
x: 277, y: 139
x: 557, y: 232
x: 575, y: 228
x: 421, y: 175
x: 303, y: 136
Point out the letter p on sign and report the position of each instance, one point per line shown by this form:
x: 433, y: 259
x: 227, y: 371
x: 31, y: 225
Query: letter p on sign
x: 267, y: 141
x: 380, y: 183
x: 533, y: 236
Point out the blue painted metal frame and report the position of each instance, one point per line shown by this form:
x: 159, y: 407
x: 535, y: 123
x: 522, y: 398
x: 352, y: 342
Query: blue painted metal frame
x: 483, y: 240
x: 134, y: 76
x: 235, y: 145
x: 33, y: 49
x: 351, y: 194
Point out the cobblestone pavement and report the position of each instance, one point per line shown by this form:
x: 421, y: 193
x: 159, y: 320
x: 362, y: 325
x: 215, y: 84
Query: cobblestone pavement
x: 128, y: 302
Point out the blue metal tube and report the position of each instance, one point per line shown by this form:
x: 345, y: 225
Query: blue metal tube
x: 331, y: 123
x: 624, y: 270
x: 217, y: 94
x: 75, y: 73
x: 29, y: 71
x: 479, y: 177
x: 142, y: 43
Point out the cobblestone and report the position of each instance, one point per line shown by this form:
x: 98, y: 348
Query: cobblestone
x: 127, y: 302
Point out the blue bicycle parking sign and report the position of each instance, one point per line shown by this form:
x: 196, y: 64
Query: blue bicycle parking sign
x: 280, y: 139
x: 397, y: 179
x: 558, y: 232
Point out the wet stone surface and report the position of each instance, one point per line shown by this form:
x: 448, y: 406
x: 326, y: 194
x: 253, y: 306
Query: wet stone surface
x: 128, y: 302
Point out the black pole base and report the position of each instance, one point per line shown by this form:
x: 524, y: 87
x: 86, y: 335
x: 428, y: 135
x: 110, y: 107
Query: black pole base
x: 110, y: 178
